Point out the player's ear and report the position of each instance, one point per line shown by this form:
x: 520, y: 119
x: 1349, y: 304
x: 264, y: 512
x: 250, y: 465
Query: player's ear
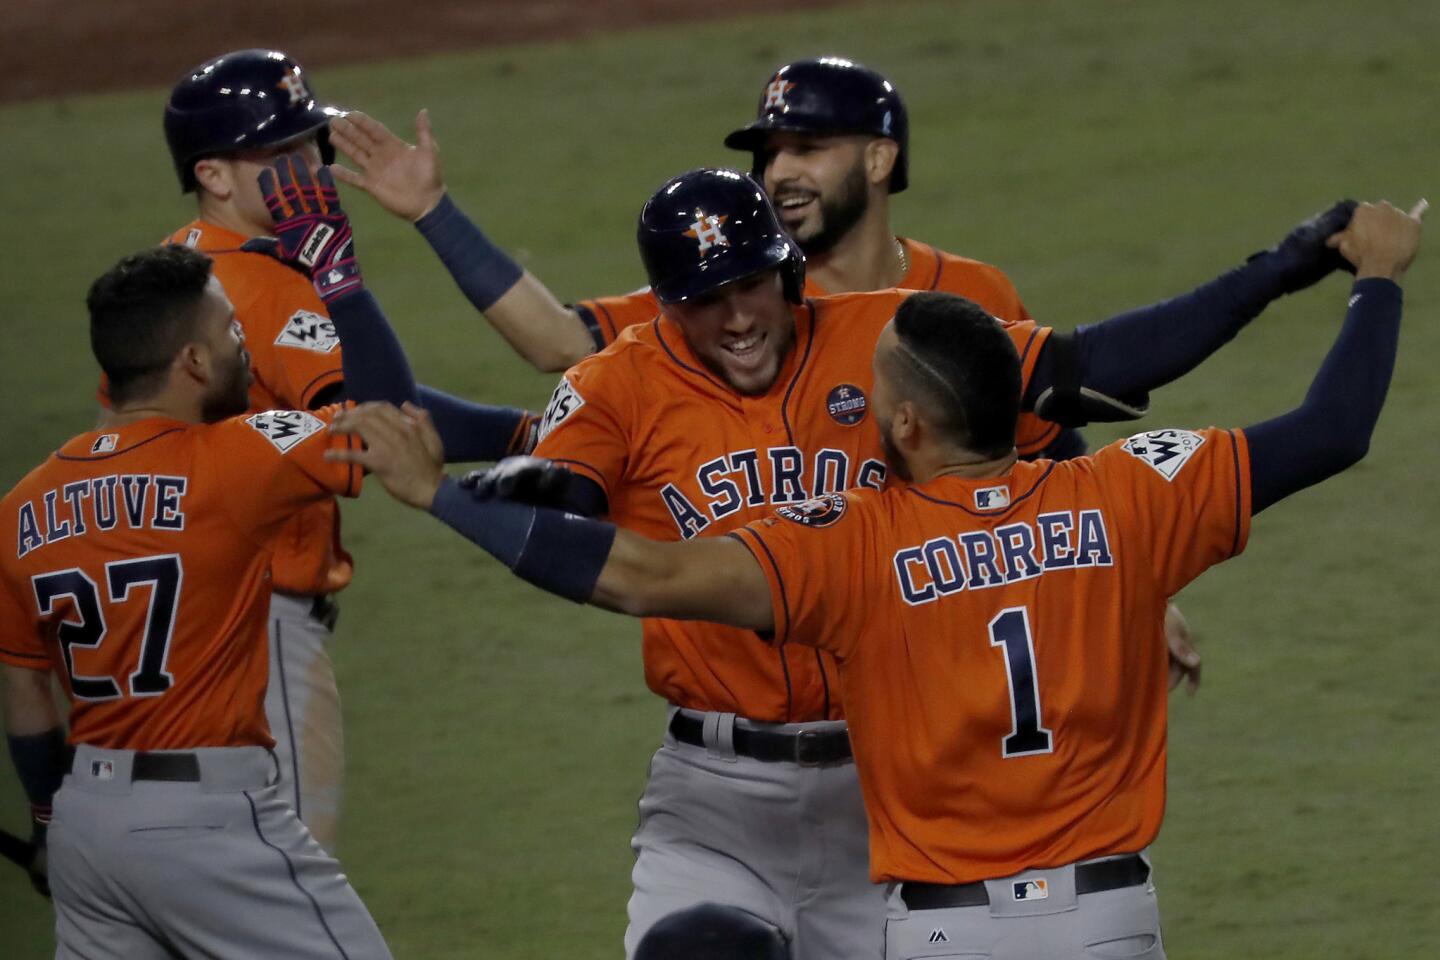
x: 216, y: 177
x: 194, y: 360
x: 880, y: 156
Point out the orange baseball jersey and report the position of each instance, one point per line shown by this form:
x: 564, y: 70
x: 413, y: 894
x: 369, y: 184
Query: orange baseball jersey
x: 999, y: 644
x: 681, y: 454
x: 138, y: 568
x: 294, y: 356
x: 930, y: 269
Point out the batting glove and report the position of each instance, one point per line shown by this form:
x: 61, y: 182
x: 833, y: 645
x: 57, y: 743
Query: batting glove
x: 312, y: 232
x: 530, y: 480
x: 1302, y: 260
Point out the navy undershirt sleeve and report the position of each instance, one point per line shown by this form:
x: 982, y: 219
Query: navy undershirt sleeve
x: 482, y: 270
x: 1134, y: 352
x: 375, y: 368
x: 558, y: 552
x: 1331, y: 430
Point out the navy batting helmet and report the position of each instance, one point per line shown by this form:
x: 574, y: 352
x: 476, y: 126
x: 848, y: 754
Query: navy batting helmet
x: 241, y: 101
x: 712, y: 932
x: 706, y: 228
x: 828, y: 95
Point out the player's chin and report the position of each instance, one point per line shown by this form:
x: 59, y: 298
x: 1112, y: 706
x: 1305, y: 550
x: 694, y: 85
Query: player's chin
x: 751, y: 376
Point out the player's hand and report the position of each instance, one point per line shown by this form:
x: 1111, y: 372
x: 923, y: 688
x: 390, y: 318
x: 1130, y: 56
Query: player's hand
x: 1304, y: 258
x: 403, y: 178
x: 311, y: 230
x: 529, y: 480
x: 402, y: 449
x: 1184, y: 658
x: 1381, y: 240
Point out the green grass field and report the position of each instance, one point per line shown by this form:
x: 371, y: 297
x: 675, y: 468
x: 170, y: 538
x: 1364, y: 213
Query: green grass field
x: 1105, y: 155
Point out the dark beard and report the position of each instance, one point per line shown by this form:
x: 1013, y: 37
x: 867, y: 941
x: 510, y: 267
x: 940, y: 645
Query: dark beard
x: 231, y: 400
x: 839, y: 214
x: 892, y: 457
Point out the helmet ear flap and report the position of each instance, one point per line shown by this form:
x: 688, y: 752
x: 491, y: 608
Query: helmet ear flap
x: 792, y: 276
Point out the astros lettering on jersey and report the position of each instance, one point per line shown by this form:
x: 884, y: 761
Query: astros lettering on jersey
x: 680, y: 454
x: 999, y: 644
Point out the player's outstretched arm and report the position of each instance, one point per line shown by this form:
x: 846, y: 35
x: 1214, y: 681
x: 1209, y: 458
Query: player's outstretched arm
x: 585, y: 560
x: 406, y: 180
x: 1331, y: 429
x: 1105, y: 371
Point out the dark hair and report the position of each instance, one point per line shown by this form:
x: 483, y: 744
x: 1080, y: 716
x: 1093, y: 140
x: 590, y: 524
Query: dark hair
x: 142, y: 311
x: 958, y: 360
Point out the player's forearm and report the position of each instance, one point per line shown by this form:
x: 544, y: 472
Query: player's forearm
x: 374, y: 362
x: 35, y: 736
x: 477, y: 431
x: 548, y: 335
x: 710, y: 578
x: 1331, y: 430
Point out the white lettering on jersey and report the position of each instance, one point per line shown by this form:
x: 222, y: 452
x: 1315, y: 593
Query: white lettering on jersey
x: 1167, y: 451
x: 285, y: 428
x: 308, y: 330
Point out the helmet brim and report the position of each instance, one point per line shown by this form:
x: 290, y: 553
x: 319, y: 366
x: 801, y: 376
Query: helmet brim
x: 712, y: 274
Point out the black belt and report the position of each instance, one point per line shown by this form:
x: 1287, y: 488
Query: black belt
x: 173, y: 767
x: 808, y: 748
x: 325, y: 610
x: 1103, y: 875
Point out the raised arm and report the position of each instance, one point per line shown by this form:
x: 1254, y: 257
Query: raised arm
x: 313, y: 235
x: 1105, y: 371
x: 1331, y: 429
x: 406, y: 180
x: 585, y: 560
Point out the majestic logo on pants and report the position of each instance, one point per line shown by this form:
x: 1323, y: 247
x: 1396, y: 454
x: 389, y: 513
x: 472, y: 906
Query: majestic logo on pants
x: 938, y: 936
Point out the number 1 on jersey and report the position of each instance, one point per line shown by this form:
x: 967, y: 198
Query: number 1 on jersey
x: 1011, y: 629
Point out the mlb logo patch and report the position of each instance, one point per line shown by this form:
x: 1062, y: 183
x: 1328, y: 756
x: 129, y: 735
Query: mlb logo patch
x: 285, y: 428
x: 1167, y: 451
x: 102, y: 769
x: 105, y: 443
x: 992, y: 498
x: 1032, y: 889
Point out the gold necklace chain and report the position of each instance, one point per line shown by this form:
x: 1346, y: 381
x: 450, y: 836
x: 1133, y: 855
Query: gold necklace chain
x: 903, y: 257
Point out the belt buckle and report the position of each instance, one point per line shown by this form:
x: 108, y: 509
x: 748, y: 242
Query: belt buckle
x: 809, y: 748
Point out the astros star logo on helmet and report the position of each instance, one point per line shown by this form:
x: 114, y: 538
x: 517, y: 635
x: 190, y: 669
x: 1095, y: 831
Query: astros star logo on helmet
x: 706, y: 230
x: 293, y: 84
x: 775, y: 93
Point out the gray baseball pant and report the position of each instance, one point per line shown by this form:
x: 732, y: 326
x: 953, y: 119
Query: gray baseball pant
x: 219, y: 868
x: 302, y: 705
x: 1061, y: 926
x: 786, y: 842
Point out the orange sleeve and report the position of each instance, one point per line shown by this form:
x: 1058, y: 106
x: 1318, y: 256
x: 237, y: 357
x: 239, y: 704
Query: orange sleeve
x: 1032, y: 434
x: 608, y: 316
x: 278, y: 460
x: 814, y: 555
x: 1188, y: 491
x: 294, y: 350
x: 582, y: 428
x: 20, y: 643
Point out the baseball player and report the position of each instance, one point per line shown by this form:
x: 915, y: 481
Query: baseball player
x: 994, y: 623
x: 744, y: 395
x: 225, y: 122
x: 139, y: 573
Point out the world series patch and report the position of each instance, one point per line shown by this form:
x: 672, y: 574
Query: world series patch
x: 846, y: 404
x: 309, y: 331
x: 1167, y: 451
x: 285, y: 428
x: 819, y: 512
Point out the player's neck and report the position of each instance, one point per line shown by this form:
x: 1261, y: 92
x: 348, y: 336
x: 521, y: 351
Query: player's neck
x: 950, y: 463
x: 165, y: 405
x: 228, y: 217
x: 868, y: 257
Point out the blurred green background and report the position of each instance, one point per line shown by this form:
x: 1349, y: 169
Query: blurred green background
x: 1103, y: 154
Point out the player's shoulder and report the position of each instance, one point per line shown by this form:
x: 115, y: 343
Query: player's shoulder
x: 857, y: 306
x: 1165, y: 453
x: 833, y: 509
x: 269, y: 434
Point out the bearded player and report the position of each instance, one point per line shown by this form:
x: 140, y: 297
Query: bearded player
x: 995, y: 623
